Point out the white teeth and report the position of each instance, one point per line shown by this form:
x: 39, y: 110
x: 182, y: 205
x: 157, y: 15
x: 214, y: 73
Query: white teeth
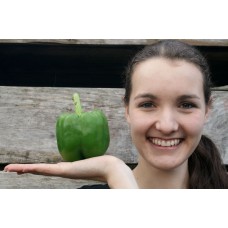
x: 165, y: 143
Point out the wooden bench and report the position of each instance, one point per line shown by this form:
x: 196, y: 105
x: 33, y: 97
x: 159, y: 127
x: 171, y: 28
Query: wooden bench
x: 27, y: 129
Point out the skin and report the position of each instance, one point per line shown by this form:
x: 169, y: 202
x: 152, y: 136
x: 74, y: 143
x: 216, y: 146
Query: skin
x: 103, y: 168
x: 166, y: 104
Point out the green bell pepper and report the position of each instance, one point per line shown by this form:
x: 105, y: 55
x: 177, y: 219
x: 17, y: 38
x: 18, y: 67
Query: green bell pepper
x: 81, y: 134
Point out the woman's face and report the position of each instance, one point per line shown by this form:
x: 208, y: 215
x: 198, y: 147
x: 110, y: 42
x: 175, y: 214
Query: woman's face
x: 166, y: 111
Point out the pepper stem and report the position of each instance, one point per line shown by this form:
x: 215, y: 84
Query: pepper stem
x: 77, y: 104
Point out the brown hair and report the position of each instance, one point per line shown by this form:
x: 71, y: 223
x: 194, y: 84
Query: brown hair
x: 205, y: 164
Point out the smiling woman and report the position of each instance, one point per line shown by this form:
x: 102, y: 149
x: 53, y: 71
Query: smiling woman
x: 175, y: 114
x: 167, y: 102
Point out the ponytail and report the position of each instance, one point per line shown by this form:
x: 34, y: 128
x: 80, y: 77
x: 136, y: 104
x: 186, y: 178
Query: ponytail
x: 205, y: 167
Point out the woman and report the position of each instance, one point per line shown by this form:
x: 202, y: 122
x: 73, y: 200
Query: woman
x: 167, y: 101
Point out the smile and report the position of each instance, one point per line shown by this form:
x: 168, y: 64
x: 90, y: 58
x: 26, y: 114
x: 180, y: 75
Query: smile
x: 165, y: 143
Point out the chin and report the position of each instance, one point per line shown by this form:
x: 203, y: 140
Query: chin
x: 167, y: 165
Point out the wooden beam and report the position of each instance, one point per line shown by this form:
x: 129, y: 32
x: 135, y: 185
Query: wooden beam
x: 30, y: 181
x: 197, y: 42
x: 221, y: 88
x: 28, y: 116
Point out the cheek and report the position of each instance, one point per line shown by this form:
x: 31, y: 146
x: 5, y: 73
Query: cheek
x: 139, y: 124
x: 194, y: 126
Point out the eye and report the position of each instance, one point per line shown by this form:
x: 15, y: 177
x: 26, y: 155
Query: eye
x: 146, y: 105
x: 187, y: 105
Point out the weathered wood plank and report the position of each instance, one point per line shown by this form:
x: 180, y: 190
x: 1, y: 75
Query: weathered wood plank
x: 28, y: 116
x: 30, y: 181
x: 221, y: 88
x: 197, y: 42
x: 217, y: 124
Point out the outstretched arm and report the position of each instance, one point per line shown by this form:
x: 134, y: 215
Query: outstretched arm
x: 104, y: 168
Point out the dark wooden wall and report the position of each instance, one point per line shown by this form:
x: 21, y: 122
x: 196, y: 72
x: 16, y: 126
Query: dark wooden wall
x: 86, y: 63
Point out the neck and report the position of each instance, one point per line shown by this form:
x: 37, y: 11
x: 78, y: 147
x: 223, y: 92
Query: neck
x: 148, y: 177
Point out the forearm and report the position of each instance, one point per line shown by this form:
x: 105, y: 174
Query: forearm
x: 104, y: 168
x: 92, y: 168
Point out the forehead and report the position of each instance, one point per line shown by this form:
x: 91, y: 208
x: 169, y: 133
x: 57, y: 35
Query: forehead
x: 164, y: 74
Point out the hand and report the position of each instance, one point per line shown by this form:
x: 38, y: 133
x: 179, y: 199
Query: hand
x: 40, y: 169
x: 104, y: 168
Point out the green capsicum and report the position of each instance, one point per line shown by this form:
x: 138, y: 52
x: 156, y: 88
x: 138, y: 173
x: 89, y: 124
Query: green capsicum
x: 81, y: 134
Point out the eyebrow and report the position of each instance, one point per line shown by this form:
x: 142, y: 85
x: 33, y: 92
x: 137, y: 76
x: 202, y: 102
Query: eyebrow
x: 146, y: 95
x: 153, y: 97
x: 188, y: 96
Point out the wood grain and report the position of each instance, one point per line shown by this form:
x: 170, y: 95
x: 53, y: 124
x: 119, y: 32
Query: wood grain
x: 221, y: 88
x: 30, y: 181
x: 28, y: 116
x: 197, y: 42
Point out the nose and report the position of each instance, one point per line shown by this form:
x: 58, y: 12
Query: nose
x: 167, y: 122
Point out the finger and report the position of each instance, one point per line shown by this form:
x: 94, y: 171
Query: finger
x: 14, y: 168
x: 18, y: 168
x: 42, y: 169
x: 27, y: 168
